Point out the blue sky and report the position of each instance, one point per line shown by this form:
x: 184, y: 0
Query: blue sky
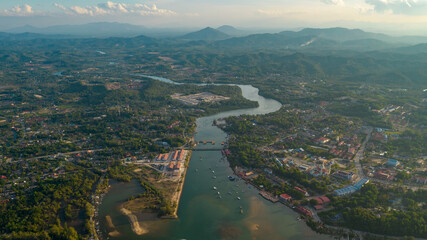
x: 392, y: 16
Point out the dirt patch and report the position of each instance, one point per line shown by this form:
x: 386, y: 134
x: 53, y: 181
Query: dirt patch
x: 114, y: 232
x: 136, y: 227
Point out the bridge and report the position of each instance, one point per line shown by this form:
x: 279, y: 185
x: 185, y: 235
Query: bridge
x: 207, y: 149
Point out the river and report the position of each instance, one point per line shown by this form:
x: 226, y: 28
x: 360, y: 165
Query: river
x: 202, y: 214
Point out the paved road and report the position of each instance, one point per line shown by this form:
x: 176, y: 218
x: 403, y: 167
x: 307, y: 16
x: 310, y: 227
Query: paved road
x: 359, y: 154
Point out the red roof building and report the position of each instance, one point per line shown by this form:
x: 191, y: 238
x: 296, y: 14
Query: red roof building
x: 301, y: 190
x: 304, y: 211
x: 318, y: 207
x: 285, y: 197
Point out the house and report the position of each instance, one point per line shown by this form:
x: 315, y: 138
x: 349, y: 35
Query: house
x: 304, y: 211
x: 285, y: 198
x: 392, y: 163
x: 322, y: 140
x: 420, y: 180
x: 302, y: 191
x: 322, y: 200
x: 318, y: 207
x: 383, y: 176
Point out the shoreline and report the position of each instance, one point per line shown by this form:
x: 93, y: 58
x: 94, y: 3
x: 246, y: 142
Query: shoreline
x: 177, y: 196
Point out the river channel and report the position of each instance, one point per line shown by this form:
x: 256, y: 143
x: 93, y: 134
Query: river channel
x: 202, y: 213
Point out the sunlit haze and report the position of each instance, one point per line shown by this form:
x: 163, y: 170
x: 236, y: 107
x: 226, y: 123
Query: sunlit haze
x: 397, y: 17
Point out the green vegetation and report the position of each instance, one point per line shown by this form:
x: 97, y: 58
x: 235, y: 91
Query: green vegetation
x: 373, y: 210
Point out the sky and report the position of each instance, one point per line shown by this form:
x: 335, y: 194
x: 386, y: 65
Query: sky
x: 397, y: 17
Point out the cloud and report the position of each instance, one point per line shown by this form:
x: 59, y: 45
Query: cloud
x: 112, y: 8
x: 405, y: 7
x: 333, y: 2
x: 18, y: 10
x: 59, y: 6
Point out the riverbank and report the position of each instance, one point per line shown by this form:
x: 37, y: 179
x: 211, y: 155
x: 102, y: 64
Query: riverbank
x: 205, y: 214
x: 177, y: 196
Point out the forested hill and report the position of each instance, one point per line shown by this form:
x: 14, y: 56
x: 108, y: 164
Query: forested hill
x: 339, y: 54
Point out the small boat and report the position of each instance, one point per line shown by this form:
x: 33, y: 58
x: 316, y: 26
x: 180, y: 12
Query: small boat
x: 219, y: 197
x: 238, y: 198
x: 213, y: 171
x: 229, y: 193
x: 214, y: 188
x: 214, y: 177
x: 231, y: 178
x: 241, y: 211
x: 219, y: 193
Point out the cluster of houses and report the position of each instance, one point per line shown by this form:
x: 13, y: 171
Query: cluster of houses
x: 172, y: 162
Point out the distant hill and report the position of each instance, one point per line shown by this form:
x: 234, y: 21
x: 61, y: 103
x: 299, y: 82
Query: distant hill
x: 206, y: 34
x: 230, y: 30
x: 30, y: 36
x: 337, y: 34
x: 311, y: 38
x: 416, y: 49
x: 99, y: 29
x: 273, y: 41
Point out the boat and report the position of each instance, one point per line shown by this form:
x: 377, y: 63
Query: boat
x: 241, y: 211
x: 213, y: 171
x: 214, y: 188
x: 231, y: 178
x: 238, y: 198
x: 214, y: 177
x: 219, y: 193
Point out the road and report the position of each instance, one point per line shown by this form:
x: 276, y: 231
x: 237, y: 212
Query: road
x: 360, y: 153
x: 361, y: 174
x: 67, y: 153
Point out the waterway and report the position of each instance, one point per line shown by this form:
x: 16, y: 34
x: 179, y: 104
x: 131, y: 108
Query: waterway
x: 202, y: 213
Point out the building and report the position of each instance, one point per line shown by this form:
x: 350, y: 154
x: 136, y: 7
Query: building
x: 392, y: 163
x: 383, y: 176
x: 420, y: 180
x: 304, y: 211
x: 318, y: 207
x: 322, y: 140
x: 304, y: 167
x: 344, y: 175
x: 301, y: 190
x: 351, y: 189
x: 345, y: 191
x: 360, y: 183
x: 322, y: 200
x: 285, y: 198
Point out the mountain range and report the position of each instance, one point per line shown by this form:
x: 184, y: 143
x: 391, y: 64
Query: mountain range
x: 229, y: 38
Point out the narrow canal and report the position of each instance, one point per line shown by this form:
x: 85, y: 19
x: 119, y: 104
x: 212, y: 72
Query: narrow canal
x: 208, y: 213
